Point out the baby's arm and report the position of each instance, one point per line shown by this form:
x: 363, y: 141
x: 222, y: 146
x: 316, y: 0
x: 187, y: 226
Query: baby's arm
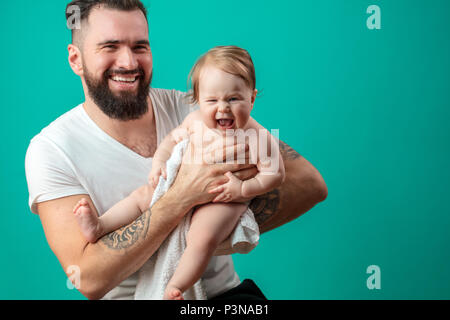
x: 162, y: 154
x: 271, y: 174
x: 164, y: 150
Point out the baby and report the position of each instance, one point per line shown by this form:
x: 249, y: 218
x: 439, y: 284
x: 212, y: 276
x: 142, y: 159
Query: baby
x: 223, y: 84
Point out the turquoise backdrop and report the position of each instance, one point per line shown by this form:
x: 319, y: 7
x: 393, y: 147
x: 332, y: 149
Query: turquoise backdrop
x: 370, y: 109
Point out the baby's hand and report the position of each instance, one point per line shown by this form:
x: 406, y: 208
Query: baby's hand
x: 158, y: 169
x: 229, y: 191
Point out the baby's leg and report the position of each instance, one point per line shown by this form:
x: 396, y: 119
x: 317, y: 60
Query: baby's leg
x: 119, y: 215
x: 210, y: 225
x: 89, y: 223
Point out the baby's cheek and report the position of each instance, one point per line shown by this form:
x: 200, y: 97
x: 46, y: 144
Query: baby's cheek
x: 209, y: 119
x: 242, y: 117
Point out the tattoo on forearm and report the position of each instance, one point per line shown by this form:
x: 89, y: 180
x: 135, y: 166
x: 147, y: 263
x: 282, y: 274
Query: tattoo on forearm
x: 126, y: 236
x: 265, y: 206
x: 287, y: 152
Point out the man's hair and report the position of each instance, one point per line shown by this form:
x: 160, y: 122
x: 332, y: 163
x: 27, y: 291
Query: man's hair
x: 86, y: 7
x: 230, y: 59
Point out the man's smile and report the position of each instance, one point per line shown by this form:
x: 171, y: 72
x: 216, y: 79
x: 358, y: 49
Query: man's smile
x: 124, y: 79
x: 124, y: 82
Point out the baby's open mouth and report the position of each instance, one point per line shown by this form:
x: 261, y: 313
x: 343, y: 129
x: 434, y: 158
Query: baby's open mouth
x: 225, y: 123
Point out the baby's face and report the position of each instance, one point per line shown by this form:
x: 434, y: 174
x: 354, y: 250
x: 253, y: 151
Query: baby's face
x: 225, y: 100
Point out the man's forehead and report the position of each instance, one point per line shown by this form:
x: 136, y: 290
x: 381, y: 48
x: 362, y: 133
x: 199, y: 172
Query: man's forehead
x: 111, y: 24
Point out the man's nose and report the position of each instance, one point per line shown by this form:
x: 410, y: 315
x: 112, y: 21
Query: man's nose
x: 126, y: 59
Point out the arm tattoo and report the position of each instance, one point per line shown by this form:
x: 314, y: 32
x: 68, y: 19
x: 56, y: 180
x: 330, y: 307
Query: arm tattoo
x: 265, y: 206
x: 127, y: 236
x: 287, y: 152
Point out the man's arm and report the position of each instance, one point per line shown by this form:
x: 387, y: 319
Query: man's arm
x: 117, y: 255
x: 301, y: 190
x: 113, y: 258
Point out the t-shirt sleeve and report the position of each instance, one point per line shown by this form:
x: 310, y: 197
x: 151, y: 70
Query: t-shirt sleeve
x: 49, y: 173
x: 182, y: 105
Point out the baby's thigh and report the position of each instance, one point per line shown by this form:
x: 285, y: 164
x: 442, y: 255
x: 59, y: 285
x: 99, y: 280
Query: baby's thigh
x: 213, y: 222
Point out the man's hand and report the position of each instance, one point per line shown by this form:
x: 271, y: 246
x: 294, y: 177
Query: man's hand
x: 196, y: 178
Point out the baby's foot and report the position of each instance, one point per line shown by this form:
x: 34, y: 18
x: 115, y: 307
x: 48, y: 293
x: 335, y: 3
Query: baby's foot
x: 173, y: 293
x: 87, y: 220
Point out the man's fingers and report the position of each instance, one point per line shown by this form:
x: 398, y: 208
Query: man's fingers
x: 246, y: 173
x: 235, y: 152
x: 232, y: 167
x: 230, y: 175
x: 226, y: 151
x: 217, y: 189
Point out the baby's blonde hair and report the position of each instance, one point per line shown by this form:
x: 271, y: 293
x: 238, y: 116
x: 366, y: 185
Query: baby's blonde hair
x: 230, y: 59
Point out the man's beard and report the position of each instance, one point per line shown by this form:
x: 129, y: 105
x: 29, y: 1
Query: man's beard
x: 124, y: 106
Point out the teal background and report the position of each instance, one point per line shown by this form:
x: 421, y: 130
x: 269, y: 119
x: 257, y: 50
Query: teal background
x: 368, y: 108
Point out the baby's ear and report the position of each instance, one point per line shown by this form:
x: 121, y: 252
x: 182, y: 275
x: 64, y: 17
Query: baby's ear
x: 255, y: 92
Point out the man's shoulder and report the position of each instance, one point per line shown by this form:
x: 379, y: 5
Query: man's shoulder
x: 61, y: 127
x: 173, y: 97
x: 253, y: 124
x: 173, y: 102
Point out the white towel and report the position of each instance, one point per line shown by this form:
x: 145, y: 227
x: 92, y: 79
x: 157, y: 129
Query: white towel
x: 157, y: 271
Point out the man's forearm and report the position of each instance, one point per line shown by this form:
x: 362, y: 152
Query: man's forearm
x: 302, y: 189
x: 120, y: 253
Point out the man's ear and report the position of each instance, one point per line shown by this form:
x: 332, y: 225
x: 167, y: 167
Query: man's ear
x: 75, y: 59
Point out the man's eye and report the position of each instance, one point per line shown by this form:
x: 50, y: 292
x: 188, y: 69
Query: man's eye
x: 140, y: 48
x: 110, y: 46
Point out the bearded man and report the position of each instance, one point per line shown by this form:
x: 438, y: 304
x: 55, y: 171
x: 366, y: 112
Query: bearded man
x: 102, y: 150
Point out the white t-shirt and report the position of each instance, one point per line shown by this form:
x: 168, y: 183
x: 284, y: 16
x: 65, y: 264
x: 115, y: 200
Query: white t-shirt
x: 74, y: 156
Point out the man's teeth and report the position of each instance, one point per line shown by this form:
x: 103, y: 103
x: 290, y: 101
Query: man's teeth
x: 117, y: 78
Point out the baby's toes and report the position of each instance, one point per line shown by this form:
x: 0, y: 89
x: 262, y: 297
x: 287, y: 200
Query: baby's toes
x: 76, y: 207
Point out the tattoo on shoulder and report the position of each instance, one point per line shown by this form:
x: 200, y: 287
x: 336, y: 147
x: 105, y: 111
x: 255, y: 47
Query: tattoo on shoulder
x: 287, y: 152
x: 126, y: 236
x: 265, y: 206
